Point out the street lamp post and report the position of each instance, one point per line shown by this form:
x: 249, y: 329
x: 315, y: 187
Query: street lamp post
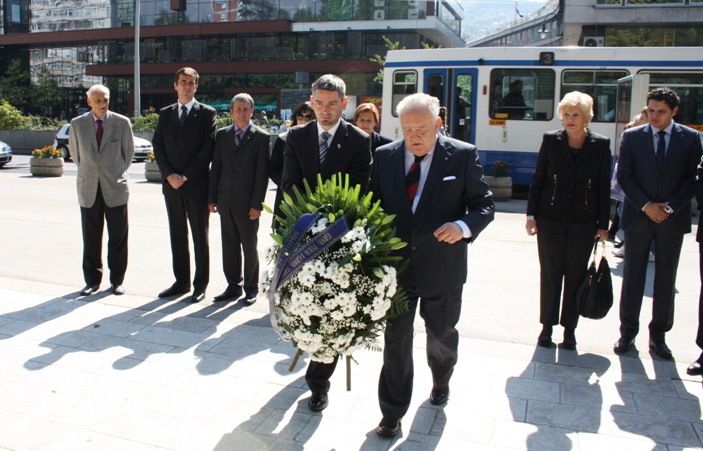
x: 137, y: 59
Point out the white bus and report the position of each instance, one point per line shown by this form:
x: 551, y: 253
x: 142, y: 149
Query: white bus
x: 503, y: 99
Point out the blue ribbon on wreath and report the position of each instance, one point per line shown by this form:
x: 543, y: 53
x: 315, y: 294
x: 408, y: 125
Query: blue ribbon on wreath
x: 293, y: 255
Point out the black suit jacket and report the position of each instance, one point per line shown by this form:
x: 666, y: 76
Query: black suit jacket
x: 454, y: 190
x: 642, y: 181
x: 378, y: 140
x: 573, y: 191
x: 185, y: 148
x: 349, y: 153
x: 238, y: 177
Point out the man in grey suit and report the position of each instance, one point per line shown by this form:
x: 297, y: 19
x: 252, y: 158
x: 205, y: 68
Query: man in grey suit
x: 434, y: 187
x: 102, y: 146
x: 238, y: 181
x: 656, y: 170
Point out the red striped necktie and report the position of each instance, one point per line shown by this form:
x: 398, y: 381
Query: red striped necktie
x: 412, y: 179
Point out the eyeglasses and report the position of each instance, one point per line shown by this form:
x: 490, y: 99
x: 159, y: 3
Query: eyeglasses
x: 307, y: 117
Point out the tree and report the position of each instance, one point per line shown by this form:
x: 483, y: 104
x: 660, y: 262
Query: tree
x: 15, y: 84
x: 10, y: 117
x: 46, y: 94
x: 381, y: 60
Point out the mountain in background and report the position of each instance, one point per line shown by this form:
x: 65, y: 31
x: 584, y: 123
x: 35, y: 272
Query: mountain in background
x: 482, y: 18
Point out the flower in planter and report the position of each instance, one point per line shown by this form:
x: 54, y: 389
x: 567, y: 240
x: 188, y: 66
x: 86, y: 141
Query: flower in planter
x: 150, y: 156
x: 501, y: 169
x: 47, y: 152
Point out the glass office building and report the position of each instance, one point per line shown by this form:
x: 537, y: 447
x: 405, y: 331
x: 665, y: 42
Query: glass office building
x: 270, y: 48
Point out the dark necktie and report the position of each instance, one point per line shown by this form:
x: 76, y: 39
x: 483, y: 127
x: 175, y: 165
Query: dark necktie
x: 661, y: 149
x: 184, y: 114
x: 324, y: 136
x: 238, y: 136
x: 412, y: 179
x: 99, y: 131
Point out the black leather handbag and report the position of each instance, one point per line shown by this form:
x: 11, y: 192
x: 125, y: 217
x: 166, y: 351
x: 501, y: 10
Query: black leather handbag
x: 595, y: 295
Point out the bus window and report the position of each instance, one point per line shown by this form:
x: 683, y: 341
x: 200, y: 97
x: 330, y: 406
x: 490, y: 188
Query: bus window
x: 601, y: 85
x: 522, y: 94
x: 436, y: 87
x: 404, y: 84
x: 689, y: 87
x: 461, y: 109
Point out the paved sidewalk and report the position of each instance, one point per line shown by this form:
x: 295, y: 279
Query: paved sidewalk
x: 132, y: 373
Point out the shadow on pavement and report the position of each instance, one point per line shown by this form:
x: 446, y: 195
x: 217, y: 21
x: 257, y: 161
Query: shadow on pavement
x: 30, y: 317
x: 658, y: 408
x: 283, y: 423
x: 575, y: 405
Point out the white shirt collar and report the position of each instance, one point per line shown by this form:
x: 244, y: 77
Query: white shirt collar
x: 188, y: 105
x: 331, y: 131
x: 667, y: 129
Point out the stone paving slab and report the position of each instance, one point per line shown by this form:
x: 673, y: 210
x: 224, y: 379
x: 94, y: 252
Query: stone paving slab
x: 142, y: 374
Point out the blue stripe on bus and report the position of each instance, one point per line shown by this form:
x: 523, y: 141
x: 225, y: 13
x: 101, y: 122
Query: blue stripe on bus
x: 522, y: 163
x: 600, y: 63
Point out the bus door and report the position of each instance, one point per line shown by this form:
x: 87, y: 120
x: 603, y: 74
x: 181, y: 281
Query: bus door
x: 632, y: 96
x: 462, y: 96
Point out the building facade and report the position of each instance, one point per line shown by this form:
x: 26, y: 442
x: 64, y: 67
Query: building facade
x: 612, y: 23
x: 270, y: 48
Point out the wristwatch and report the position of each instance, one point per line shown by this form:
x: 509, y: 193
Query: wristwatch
x: 668, y: 210
x: 530, y: 217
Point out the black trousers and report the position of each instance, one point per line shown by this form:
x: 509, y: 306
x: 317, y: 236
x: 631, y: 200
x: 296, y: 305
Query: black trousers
x: 318, y: 376
x: 92, y: 224
x: 440, y: 312
x: 183, y: 209
x: 564, y: 250
x: 667, y: 248
x: 239, y: 235
x: 699, y: 335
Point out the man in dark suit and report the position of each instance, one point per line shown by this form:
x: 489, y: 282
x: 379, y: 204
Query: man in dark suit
x: 696, y: 368
x: 183, y: 143
x: 102, y: 146
x: 327, y: 146
x: 238, y: 184
x: 656, y: 170
x: 434, y: 186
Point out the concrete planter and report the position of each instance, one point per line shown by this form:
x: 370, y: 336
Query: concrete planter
x: 46, y: 167
x: 151, y: 172
x: 24, y: 141
x: 501, y: 187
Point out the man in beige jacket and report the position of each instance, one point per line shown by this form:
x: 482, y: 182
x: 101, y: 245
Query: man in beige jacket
x: 102, y: 146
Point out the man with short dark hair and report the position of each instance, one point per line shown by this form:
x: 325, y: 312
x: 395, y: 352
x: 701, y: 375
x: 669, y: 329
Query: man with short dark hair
x: 183, y: 143
x: 656, y: 170
x: 238, y: 183
x: 102, y: 146
x: 326, y: 146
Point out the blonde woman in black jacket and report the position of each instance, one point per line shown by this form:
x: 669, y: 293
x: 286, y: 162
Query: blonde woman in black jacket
x: 568, y: 208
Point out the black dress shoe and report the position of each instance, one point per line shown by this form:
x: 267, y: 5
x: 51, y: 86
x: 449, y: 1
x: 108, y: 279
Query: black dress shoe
x: 569, y: 339
x: 174, y: 290
x: 439, y: 396
x: 229, y: 293
x: 545, y: 337
x: 318, y: 402
x: 89, y: 289
x: 696, y: 368
x: 623, y: 345
x: 661, y: 349
x: 388, y: 428
x: 250, y: 297
x: 117, y: 289
x: 198, y: 295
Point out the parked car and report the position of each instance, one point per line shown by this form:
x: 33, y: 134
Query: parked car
x: 5, y: 154
x: 141, y: 146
